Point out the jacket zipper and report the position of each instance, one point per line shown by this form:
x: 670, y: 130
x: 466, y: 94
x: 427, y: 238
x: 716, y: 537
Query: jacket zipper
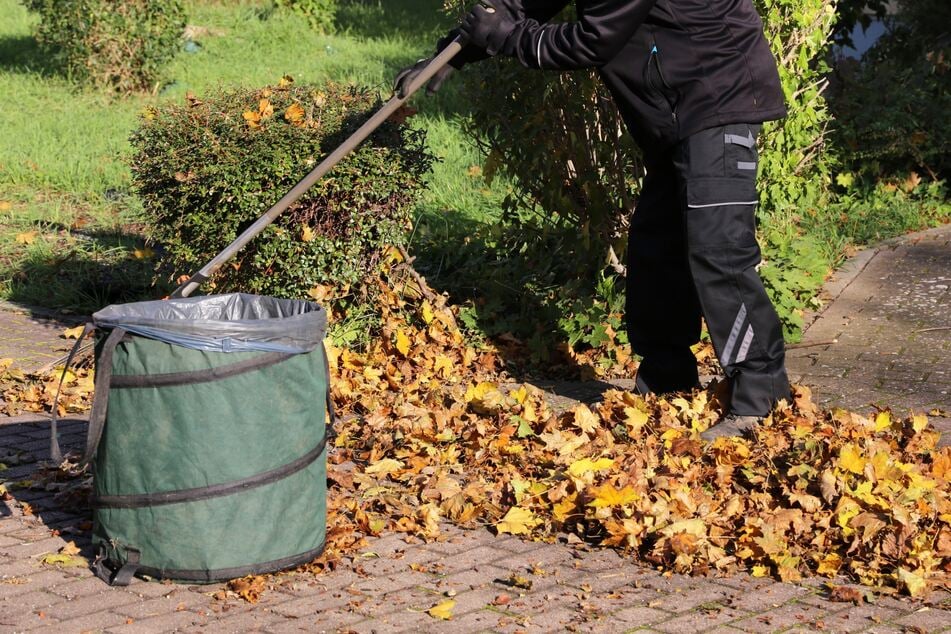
x: 655, y: 60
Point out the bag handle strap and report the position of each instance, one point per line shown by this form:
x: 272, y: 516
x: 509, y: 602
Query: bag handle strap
x: 56, y: 454
x: 97, y: 417
x: 122, y: 576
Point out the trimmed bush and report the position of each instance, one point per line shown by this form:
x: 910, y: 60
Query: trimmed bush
x: 120, y: 45
x: 206, y: 169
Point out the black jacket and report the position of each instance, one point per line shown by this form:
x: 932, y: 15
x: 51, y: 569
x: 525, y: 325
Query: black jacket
x: 675, y: 67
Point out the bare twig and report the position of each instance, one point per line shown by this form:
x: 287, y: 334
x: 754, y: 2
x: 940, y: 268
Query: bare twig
x: 932, y: 329
x: 796, y: 346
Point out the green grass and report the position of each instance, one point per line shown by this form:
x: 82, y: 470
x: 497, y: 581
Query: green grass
x: 66, y: 158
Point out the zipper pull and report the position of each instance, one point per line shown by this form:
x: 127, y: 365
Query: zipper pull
x: 654, y: 50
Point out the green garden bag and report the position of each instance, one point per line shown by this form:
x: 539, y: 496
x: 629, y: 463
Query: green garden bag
x: 207, y: 437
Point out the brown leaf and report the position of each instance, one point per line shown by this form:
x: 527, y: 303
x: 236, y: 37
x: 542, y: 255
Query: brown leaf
x: 845, y: 594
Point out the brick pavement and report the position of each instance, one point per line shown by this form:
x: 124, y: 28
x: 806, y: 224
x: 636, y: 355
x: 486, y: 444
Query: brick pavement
x: 390, y: 585
x: 32, y: 337
x: 889, y: 313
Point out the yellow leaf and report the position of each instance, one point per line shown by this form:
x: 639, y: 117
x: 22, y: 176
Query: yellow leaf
x: 285, y: 81
x: 566, y: 508
x: 443, y: 365
x: 427, y: 311
x: 883, y: 421
x: 252, y: 118
x: 851, y: 459
x: 919, y: 422
x: 635, y: 419
x: 5, y: 205
x: 295, y: 114
x: 606, y: 496
x: 517, y: 521
x: 760, y: 571
x: 143, y: 254
x: 67, y: 557
x: 443, y: 610
x: 27, y: 237
x: 913, y: 583
x: 320, y: 292
x: 830, y: 565
x: 585, y: 420
x: 385, y: 466
x: 402, y: 343
x: 580, y: 467
x: 74, y: 333
x: 306, y: 233
x: 478, y: 392
x: 265, y: 108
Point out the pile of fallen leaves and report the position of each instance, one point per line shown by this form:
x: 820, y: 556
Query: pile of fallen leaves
x: 431, y: 432
x: 22, y: 392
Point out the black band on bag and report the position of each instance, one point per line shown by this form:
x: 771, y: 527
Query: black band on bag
x: 224, y: 574
x: 118, y: 577
x: 200, y: 376
x: 140, y: 500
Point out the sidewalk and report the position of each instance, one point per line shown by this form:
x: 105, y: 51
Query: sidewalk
x: 883, y: 315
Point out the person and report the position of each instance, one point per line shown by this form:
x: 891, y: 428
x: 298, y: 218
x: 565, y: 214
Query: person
x: 693, y: 80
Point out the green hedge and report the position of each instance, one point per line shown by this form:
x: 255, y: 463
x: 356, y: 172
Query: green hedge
x: 206, y: 169
x: 120, y: 45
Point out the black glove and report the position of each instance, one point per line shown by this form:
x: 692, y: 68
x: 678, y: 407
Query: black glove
x: 408, y: 75
x: 488, y: 27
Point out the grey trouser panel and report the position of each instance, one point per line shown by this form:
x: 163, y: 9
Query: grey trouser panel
x: 692, y: 251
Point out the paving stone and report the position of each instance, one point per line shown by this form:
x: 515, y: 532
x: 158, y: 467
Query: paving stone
x: 768, y: 596
x: 928, y: 619
x: 786, y: 616
x: 87, y: 604
x: 165, y: 623
x: 305, y: 606
x: 175, y: 601
x: 640, y: 616
x: 701, y: 595
x: 94, y: 622
x: 859, y: 618
x: 699, y: 621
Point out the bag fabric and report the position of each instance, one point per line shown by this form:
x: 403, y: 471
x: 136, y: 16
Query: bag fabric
x: 208, y: 447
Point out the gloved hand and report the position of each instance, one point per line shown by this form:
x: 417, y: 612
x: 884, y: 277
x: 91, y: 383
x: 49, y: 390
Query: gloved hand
x: 487, y: 27
x: 408, y: 75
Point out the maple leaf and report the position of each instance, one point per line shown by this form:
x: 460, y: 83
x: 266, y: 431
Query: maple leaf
x: 586, y: 465
x: 442, y: 610
x: 384, y: 467
x: 851, y: 459
x: 830, y: 564
x: 912, y: 582
x: 248, y: 588
x: 306, y: 233
x: 607, y: 496
x: 295, y: 114
x: 74, y: 333
x: 402, y: 343
x: 517, y: 521
x: 585, y: 420
x: 265, y: 108
x: 253, y: 119
x: 27, y: 237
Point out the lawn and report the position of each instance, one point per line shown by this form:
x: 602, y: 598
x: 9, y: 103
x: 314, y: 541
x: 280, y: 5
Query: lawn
x: 71, y: 235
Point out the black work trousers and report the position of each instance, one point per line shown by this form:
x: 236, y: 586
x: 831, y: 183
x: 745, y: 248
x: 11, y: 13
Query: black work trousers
x: 692, y: 253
